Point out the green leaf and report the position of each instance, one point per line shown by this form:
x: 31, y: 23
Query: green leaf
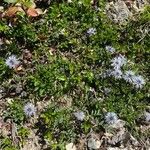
x: 61, y: 78
x: 87, y: 2
x: 10, y: 1
x: 29, y: 4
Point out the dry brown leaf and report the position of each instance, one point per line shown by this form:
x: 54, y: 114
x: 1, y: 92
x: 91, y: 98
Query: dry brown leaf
x: 5, y: 128
x: 81, y: 143
x: 11, y: 11
x: 19, y: 68
x: 32, y: 142
x: 32, y: 12
x: 14, y: 133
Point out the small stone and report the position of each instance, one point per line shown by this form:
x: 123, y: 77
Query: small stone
x: 70, y: 146
x: 1, y: 8
x: 93, y: 143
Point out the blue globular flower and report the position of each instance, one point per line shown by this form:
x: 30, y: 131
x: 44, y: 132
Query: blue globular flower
x: 111, y: 118
x: 12, y: 61
x: 116, y: 73
x: 147, y: 116
x: 29, y: 109
x: 79, y: 115
x: 138, y: 81
x: 107, y: 73
x: 110, y: 49
x: 91, y: 31
x: 118, y: 61
x: 128, y: 76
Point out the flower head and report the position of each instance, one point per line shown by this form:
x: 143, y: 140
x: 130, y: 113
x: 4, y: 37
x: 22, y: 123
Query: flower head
x: 118, y: 61
x: 117, y: 73
x: 79, y: 115
x: 147, y: 116
x: 29, y: 109
x: 111, y: 118
x: 128, y: 76
x: 91, y: 31
x: 12, y: 61
x: 110, y: 49
x: 138, y: 81
x: 107, y: 73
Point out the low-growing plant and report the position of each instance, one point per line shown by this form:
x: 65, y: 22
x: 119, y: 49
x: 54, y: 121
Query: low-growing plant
x: 59, y: 126
x: 90, y: 69
x: 6, y: 144
x: 15, y: 112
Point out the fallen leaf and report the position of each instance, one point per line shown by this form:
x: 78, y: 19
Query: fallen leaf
x: 81, y: 143
x: 32, y: 12
x: 11, y: 11
x: 39, y: 11
x: 14, y: 132
x: 19, y: 68
x: 32, y: 142
x: 118, y: 125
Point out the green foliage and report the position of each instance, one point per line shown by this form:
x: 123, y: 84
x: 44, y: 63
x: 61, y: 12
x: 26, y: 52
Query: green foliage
x: 23, y: 132
x: 6, y: 144
x: 23, y: 32
x: 59, y: 125
x: 27, y: 3
x: 3, y: 27
x: 11, y: 1
x: 65, y: 60
x: 3, y: 70
x: 15, y: 112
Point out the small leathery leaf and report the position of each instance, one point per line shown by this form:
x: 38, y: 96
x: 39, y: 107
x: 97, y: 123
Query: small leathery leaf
x: 19, y: 68
x: 29, y: 4
x: 42, y: 37
x: 11, y: 11
x: 39, y: 11
x: 32, y: 12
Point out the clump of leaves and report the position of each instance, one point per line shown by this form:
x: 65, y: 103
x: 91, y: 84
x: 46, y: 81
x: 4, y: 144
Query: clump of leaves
x: 66, y: 59
x: 27, y: 3
x: 4, y: 70
x: 23, y: 132
x: 59, y: 125
x: 23, y: 7
x: 6, y: 144
x: 15, y: 112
